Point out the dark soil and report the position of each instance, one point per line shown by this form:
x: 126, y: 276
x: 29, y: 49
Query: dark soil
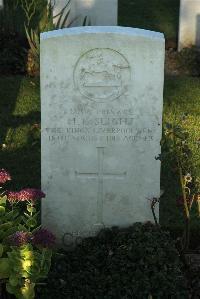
x: 118, y: 264
x: 186, y: 62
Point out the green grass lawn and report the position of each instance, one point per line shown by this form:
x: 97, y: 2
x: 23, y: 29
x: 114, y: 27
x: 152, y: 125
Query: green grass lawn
x: 181, y: 96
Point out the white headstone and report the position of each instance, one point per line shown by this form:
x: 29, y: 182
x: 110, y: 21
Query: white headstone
x: 1, y: 4
x: 189, y: 24
x: 102, y: 98
x: 98, y: 12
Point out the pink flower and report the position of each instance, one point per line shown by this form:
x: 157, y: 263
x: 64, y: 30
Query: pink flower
x: 19, y: 238
x: 4, y: 176
x: 30, y: 194
x: 12, y: 196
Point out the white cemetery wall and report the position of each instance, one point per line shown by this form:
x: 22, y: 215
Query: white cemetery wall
x: 98, y: 12
x: 1, y: 4
x: 102, y: 99
x: 189, y: 24
x: 58, y: 7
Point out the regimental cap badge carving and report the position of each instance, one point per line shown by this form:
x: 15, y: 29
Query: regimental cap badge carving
x: 102, y: 75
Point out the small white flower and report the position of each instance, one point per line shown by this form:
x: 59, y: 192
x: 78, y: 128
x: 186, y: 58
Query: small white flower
x: 188, y: 178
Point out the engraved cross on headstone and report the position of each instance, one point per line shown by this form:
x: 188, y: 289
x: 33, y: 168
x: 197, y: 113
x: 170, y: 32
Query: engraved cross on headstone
x: 100, y: 175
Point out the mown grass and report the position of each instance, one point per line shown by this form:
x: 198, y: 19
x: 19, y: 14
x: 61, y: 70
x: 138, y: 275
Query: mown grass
x: 181, y: 97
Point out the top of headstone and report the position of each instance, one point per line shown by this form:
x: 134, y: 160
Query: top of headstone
x: 102, y: 29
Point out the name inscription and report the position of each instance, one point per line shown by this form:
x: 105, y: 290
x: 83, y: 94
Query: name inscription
x: 106, y: 125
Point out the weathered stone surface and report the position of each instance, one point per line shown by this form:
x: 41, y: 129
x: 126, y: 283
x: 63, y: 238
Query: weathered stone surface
x: 102, y: 98
x: 189, y: 24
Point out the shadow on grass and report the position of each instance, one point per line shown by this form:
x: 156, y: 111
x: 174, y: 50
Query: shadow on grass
x: 19, y: 130
x: 24, y: 166
x: 182, y: 94
x: 15, y: 121
x: 9, y: 89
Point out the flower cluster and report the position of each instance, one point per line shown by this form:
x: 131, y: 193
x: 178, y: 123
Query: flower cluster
x: 4, y: 176
x: 42, y: 237
x: 28, y: 194
x: 12, y: 196
x: 19, y: 238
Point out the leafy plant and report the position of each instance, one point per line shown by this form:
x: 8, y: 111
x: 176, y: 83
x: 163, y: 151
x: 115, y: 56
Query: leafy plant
x: 46, y: 24
x: 175, y: 147
x: 25, y: 248
x: 13, y: 16
x: 10, y: 17
x: 26, y: 266
x: 29, y: 8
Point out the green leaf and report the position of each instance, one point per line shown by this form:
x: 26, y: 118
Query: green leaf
x: 13, y: 280
x: 27, y: 215
x: 10, y: 289
x: 22, y: 228
x: 3, y: 200
x: 65, y: 19
x: 6, y: 225
x: 31, y: 209
x: 2, y: 210
x: 1, y: 250
x: 10, y: 231
x: 85, y: 21
x: 31, y: 222
x: 4, y: 268
x: 198, y: 207
x: 12, y: 215
x: 27, y: 292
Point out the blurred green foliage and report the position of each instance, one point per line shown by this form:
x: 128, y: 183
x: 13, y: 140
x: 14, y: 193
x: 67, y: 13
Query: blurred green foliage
x: 157, y: 15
